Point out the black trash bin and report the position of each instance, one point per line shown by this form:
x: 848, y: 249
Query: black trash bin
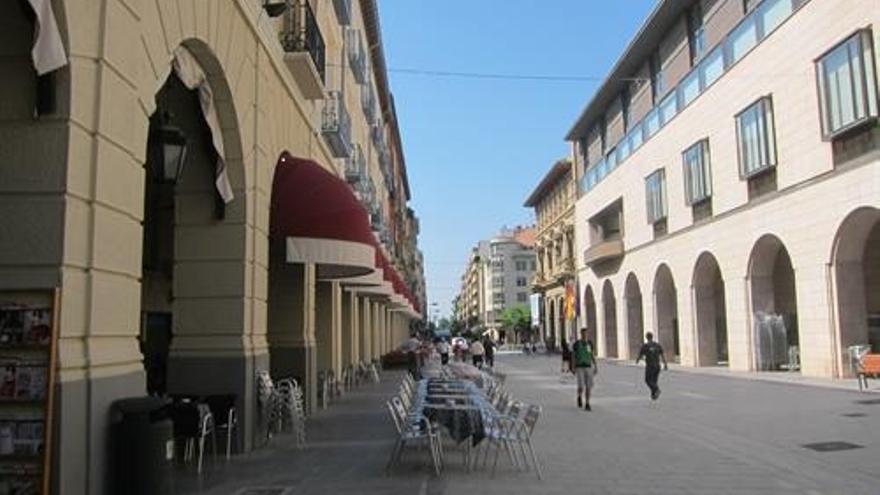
x: 143, y: 446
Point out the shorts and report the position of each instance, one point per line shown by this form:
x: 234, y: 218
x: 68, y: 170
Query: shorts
x: 584, y: 377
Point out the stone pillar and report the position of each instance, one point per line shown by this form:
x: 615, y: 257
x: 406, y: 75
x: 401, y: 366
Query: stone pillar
x: 376, y: 333
x: 350, y: 326
x: 291, y: 320
x: 328, y: 326
x: 366, y: 329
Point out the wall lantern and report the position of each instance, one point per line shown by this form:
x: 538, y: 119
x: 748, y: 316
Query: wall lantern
x: 168, y: 146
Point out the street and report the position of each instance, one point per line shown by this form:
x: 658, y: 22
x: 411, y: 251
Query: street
x: 705, y: 435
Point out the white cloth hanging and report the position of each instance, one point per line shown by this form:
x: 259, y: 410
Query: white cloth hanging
x: 48, y: 52
x: 191, y: 74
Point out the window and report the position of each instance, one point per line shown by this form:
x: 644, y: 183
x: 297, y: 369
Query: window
x: 498, y: 265
x: 652, y: 124
x: 522, y: 266
x: 657, y: 86
x: 498, y: 282
x: 712, y: 67
x: 690, y: 88
x: 625, y: 109
x: 655, y: 190
x: 534, y: 266
x: 697, y: 173
x: 756, y: 142
x: 847, y: 85
x: 696, y: 34
x: 668, y: 109
x: 522, y: 297
x: 498, y: 298
x: 773, y: 13
x: 742, y: 39
x: 521, y: 282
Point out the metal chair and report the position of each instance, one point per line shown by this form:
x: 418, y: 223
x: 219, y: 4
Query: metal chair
x: 412, y: 428
x: 223, y: 410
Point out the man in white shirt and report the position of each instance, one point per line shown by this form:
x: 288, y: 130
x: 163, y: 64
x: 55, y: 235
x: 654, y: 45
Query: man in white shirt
x: 443, y: 350
x: 477, y: 352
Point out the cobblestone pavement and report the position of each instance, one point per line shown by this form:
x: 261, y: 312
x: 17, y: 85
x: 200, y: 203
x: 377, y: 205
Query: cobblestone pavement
x: 707, y: 434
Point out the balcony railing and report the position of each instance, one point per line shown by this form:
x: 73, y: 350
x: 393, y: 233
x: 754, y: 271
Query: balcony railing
x: 357, y: 55
x: 368, y: 102
x: 377, y: 132
x: 603, y: 251
x: 356, y: 166
x: 336, y: 125
x: 304, y: 47
x: 343, y: 11
x: 741, y: 40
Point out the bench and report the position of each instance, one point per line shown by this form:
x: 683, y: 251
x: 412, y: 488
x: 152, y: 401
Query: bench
x: 868, y: 367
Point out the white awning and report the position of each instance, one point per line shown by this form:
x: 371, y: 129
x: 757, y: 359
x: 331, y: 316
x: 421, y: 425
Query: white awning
x: 335, y: 259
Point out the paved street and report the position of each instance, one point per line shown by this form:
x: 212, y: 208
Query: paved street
x: 706, y: 435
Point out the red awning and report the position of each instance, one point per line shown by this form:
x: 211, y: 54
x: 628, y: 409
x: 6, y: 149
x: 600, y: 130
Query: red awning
x: 320, y: 220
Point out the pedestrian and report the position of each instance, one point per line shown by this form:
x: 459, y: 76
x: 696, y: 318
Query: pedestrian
x: 653, y: 354
x: 443, y: 350
x: 489, y: 348
x: 477, y: 352
x: 585, y: 367
x: 566, y: 357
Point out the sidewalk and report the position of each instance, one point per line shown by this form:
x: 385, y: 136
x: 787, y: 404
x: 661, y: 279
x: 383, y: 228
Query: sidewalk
x: 790, y: 378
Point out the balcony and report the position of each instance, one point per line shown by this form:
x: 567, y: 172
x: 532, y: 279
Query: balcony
x: 357, y: 55
x: 343, y: 11
x: 603, y: 251
x: 304, y: 49
x: 368, y: 103
x: 356, y: 167
x: 564, y: 268
x: 336, y: 125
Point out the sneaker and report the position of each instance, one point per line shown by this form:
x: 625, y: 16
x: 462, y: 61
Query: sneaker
x: 580, y: 402
x: 587, y: 407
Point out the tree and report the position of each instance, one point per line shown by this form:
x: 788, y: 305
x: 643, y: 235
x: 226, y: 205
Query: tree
x: 517, y: 319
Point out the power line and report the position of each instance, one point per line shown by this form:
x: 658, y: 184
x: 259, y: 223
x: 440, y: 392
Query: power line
x: 500, y: 75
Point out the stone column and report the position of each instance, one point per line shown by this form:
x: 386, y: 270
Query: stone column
x: 328, y: 326
x: 291, y: 321
x: 376, y: 333
x: 350, y: 326
x: 366, y: 329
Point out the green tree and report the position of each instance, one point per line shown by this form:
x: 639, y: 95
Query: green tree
x: 517, y: 319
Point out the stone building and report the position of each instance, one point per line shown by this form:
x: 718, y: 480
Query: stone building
x: 728, y: 199
x: 553, y: 201
x: 218, y: 184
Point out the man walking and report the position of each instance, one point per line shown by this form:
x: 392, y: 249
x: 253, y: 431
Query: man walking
x: 489, y: 348
x: 584, y: 362
x: 653, y: 354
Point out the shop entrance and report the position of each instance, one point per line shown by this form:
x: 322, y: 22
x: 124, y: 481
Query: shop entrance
x: 776, y: 343
x: 609, y: 311
x: 634, y: 315
x: 711, y: 313
x: 666, y: 307
x: 856, y: 262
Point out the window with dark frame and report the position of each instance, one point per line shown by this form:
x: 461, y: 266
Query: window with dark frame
x: 847, y: 84
x: 655, y: 194
x: 756, y: 139
x: 696, y: 33
x: 697, y: 173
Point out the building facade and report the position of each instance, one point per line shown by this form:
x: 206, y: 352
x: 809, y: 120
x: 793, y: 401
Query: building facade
x: 728, y: 199
x: 497, y: 277
x: 214, y: 188
x: 553, y: 201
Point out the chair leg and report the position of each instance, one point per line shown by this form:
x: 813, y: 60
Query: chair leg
x: 392, y: 458
x: 534, y: 458
x: 201, y: 454
x: 229, y: 442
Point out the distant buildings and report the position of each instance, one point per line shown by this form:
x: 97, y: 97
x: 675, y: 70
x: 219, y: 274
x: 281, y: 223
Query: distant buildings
x: 498, y: 276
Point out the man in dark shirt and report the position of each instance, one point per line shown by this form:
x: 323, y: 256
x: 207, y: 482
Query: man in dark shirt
x: 653, y: 354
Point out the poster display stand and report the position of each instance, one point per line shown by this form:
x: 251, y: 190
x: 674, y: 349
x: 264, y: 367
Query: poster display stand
x: 28, y: 342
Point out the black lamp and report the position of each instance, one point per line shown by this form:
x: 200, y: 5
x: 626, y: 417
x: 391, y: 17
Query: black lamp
x: 168, y: 145
x: 274, y: 9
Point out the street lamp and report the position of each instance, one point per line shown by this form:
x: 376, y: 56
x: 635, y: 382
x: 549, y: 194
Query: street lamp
x: 168, y: 149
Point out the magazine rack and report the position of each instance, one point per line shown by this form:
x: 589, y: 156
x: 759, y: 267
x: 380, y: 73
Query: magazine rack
x: 28, y: 341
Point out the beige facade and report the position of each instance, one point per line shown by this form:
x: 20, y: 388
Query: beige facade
x: 553, y: 201
x: 76, y: 211
x: 761, y: 220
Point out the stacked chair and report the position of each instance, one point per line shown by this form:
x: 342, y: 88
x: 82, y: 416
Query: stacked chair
x: 292, y: 410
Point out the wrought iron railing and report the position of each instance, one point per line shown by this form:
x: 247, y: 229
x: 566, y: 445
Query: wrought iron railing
x: 336, y: 125
x: 302, y: 34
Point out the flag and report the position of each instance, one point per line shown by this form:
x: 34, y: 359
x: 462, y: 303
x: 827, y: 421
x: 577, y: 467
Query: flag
x: 569, y: 301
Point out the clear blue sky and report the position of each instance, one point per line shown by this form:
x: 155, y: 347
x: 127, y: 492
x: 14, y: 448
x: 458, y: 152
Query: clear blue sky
x: 475, y: 148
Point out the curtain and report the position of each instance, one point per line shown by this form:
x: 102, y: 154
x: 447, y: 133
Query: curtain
x: 48, y: 52
x: 191, y: 74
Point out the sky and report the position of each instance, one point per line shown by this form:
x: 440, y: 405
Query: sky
x: 476, y: 147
